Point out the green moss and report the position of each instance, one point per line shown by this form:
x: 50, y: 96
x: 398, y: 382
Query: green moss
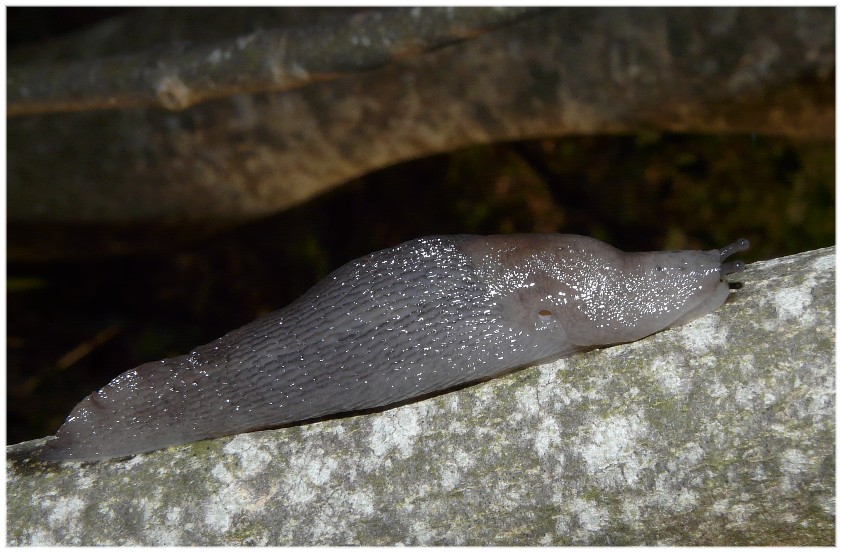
x: 593, y: 493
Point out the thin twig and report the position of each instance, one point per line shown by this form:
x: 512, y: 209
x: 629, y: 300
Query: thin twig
x: 87, y: 347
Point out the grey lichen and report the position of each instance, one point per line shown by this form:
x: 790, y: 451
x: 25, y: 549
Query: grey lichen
x: 718, y: 432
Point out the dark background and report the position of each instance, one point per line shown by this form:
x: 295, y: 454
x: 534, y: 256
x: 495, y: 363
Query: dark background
x: 647, y: 191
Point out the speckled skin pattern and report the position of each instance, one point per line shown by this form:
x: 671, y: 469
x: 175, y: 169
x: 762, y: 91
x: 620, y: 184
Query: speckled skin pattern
x: 419, y: 318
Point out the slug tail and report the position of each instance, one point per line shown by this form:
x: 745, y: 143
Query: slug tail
x: 140, y: 410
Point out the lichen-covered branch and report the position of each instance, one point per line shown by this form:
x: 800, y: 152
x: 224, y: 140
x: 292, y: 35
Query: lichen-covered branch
x: 275, y: 60
x: 716, y: 433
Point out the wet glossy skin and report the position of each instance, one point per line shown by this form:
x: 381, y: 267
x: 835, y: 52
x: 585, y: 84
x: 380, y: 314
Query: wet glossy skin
x: 400, y: 323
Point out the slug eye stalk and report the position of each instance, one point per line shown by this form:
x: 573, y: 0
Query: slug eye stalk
x: 734, y: 266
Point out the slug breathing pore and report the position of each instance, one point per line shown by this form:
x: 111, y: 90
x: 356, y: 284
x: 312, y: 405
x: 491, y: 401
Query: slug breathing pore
x: 404, y: 322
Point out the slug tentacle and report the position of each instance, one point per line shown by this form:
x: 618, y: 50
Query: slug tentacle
x: 733, y: 267
x: 405, y: 322
x: 741, y: 244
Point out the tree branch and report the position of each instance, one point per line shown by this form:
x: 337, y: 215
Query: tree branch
x: 263, y: 61
x: 569, y: 71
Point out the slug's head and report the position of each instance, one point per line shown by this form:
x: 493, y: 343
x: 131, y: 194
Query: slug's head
x: 593, y: 294
x: 658, y: 290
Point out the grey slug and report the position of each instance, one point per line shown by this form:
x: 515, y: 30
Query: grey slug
x: 419, y: 318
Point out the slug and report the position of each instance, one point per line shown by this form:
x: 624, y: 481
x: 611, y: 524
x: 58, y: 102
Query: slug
x: 416, y: 319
